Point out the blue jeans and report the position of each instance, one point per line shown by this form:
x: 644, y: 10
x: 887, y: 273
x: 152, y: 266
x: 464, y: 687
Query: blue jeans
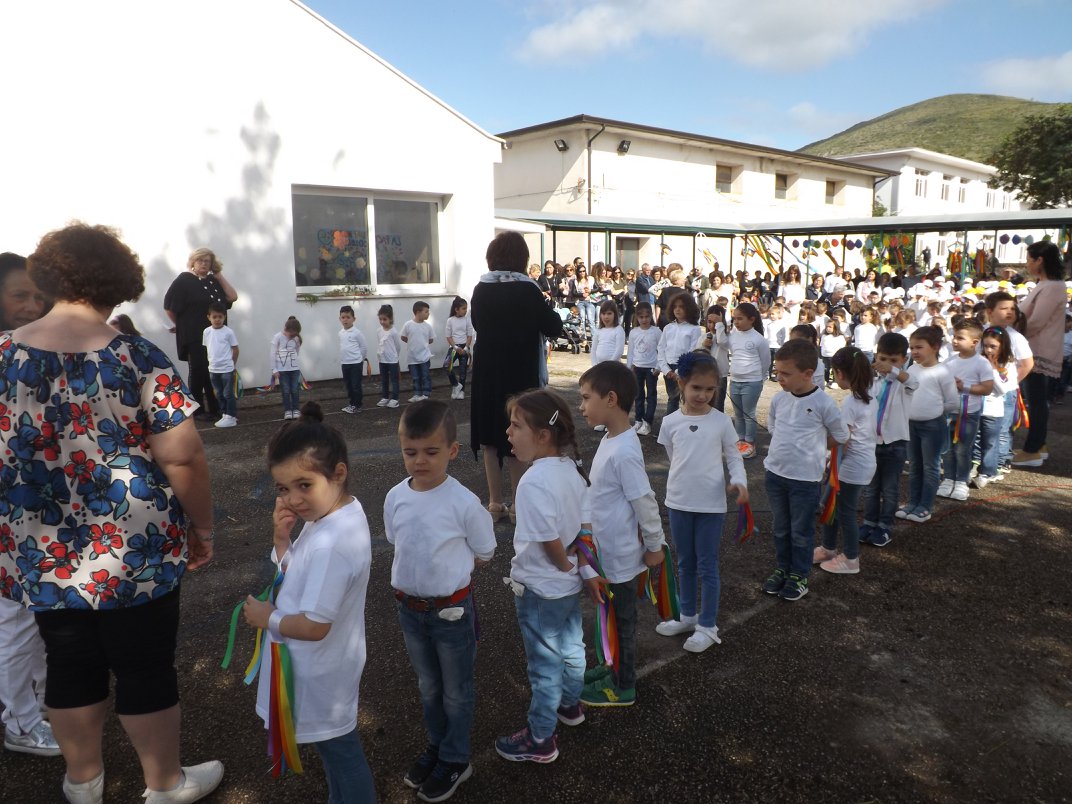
x: 442, y: 653
x: 647, y: 393
x: 697, y: 538
x: 794, y: 504
x: 389, y: 379
x: 744, y: 394
x: 673, y: 392
x: 587, y: 312
x: 848, y: 500
x: 554, y: 647
x: 349, y: 776
x: 289, y: 383
x: 989, y: 441
x: 421, y: 375
x: 720, y: 394
x: 223, y: 385
x: 926, y: 443
x: 1005, y: 433
x: 883, y: 494
x: 351, y: 376
x: 958, y: 457
x: 457, y: 375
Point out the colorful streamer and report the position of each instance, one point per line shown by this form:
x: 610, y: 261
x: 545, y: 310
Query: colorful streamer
x: 746, y: 523
x: 828, y: 511
x: 960, y: 430
x: 883, y: 401
x: 606, y: 624
x: 1020, y: 417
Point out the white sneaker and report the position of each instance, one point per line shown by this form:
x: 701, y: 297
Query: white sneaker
x: 197, y: 782
x: 295, y: 414
x: 960, y: 492
x: 980, y: 481
x: 645, y: 429
x: 38, y: 741
x: 461, y: 392
x: 382, y: 403
x: 392, y: 403
x: 287, y: 415
x: 701, y: 639
x: 600, y: 428
x: 636, y: 424
x: 415, y: 398
x: 227, y: 421
x: 675, y: 627
x: 945, y: 488
x: 349, y: 409
x: 91, y: 792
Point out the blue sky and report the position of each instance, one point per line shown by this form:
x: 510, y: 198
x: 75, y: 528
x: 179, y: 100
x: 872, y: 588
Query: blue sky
x: 776, y: 72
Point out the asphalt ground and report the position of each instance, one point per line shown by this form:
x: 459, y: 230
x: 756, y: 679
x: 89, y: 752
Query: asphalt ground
x: 942, y: 672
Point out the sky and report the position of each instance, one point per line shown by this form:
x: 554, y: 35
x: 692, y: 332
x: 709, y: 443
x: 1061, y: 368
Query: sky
x: 781, y: 73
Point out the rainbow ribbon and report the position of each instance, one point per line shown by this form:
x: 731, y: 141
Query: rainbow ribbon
x: 606, y: 624
x: 303, y: 383
x: 661, y: 588
x: 883, y: 402
x: 1020, y: 417
x: 828, y: 512
x: 746, y: 523
x: 282, y: 742
x: 960, y: 429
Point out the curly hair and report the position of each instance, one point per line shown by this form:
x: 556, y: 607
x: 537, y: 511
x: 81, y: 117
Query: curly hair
x: 197, y: 254
x: 83, y: 263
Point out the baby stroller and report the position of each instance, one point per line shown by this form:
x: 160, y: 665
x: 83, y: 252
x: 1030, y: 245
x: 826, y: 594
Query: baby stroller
x: 572, y: 335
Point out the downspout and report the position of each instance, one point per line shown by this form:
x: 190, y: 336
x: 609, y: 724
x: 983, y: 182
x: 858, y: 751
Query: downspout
x: 602, y: 128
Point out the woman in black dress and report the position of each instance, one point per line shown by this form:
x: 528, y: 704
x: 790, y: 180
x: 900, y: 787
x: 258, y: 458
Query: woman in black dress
x: 510, y: 317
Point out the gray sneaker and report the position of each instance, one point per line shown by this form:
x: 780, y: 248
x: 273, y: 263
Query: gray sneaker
x: 38, y: 740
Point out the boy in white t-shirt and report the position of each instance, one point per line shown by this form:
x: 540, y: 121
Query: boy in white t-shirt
x: 222, y: 347
x: 974, y: 377
x: 440, y: 532
x: 352, y: 352
x: 619, y: 501
x: 776, y: 328
x: 417, y: 335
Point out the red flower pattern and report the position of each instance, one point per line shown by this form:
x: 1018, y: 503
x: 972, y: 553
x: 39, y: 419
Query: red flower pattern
x: 80, y: 466
x: 105, y: 539
x: 169, y: 392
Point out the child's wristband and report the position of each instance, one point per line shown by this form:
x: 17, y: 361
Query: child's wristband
x: 275, y: 620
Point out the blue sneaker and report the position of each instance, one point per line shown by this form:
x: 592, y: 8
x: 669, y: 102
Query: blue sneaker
x: 865, y: 532
x: 795, y: 588
x: 880, y: 537
x: 521, y: 747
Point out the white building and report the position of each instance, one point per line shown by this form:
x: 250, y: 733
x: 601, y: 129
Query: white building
x: 593, y: 167
x: 258, y: 129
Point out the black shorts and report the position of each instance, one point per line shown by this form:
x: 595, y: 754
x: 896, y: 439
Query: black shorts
x: 137, y: 644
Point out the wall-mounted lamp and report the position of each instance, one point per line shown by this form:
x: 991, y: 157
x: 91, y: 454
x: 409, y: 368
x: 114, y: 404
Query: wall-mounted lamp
x: 562, y: 145
x: 623, y: 146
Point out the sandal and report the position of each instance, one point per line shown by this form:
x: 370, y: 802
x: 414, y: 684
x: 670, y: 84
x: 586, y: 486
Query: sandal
x: 497, y: 511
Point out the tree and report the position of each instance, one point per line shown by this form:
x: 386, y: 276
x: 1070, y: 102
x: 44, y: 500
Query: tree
x: 1036, y: 160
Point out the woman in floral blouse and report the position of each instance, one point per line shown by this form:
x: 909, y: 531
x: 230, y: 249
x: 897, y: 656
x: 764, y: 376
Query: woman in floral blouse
x: 104, y: 504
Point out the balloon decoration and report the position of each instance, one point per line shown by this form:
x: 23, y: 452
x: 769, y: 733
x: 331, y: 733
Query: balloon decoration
x: 858, y: 243
x: 850, y: 245
x: 1003, y: 239
x: 1016, y: 240
x: 1029, y: 239
x: 834, y: 242
x: 796, y: 244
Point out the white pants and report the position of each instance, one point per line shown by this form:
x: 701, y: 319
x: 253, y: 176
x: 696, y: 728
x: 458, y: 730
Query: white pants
x: 22, y: 668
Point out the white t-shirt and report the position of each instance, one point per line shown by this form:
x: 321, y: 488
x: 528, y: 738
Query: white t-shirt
x: 218, y: 343
x: 643, y: 347
x: 549, y: 504
x: 284, y: 353
x: 829, y: 345
x: 607, y: 344
x: 799, y: 426
x: 418, y: 334
x: 864, y: 337
x: 994, y: 403
x: 776, y: 331
x: 459, y: 329
x: 749, y: 355
x: 698, y: 446
x: 436, y: 534
x: 352, y: 346
x: 970, y: 371
x: 858, y: 454
x: 677, y: 338
x: 327, y: 573
x: 389, y: 345
x: 618, y: 477
x: 935, y: 394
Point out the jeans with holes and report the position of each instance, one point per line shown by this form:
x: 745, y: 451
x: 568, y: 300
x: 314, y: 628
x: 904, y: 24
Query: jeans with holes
x: 290, y: 384
x: 389, y: 380
x: 745, y: 397
x: 989, y: 441
x: 587, y: 312
x: 223, y: 386
x: 697, y: 538
x: 882, y: 495
x: 554, y: 648
x: 442, y: 653
x: 421, y: 374
x: 927, y: 440
x: 347, y: 770
x: 794, y: 504
x: 848, y: 500
x: 957, y: 462
x: 647, y: 396
x: 457, y: 374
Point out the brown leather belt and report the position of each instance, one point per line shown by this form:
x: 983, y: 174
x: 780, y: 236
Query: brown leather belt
x: 432, y: 603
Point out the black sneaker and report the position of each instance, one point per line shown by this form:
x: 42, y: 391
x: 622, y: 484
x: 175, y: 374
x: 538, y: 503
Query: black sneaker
x: 880, y: 538
x: 422, y: 768
x: 523, y: 747
x: 444, y: 780
x: 773, y: 585
x: 795, y: 588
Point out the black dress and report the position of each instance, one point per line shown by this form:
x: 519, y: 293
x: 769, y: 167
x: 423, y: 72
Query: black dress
x: 509, y: 319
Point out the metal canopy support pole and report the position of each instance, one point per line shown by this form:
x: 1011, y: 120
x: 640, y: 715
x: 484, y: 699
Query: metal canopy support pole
x: 554, y: 245
x: 543, y: 259
x: 730, y: 269
x: 607, y: 251
x: 844, y: 249
x: 662, y: 252
x: 781, y: 258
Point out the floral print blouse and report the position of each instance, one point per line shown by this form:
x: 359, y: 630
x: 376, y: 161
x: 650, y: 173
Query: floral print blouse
x: 87, y: 518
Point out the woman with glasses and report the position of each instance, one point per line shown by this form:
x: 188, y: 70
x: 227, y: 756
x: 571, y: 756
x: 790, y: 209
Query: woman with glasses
x: 584, y: 287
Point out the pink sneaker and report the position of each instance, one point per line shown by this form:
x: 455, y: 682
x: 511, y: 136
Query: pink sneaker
x: 839, y: 565
x: 821, y: 554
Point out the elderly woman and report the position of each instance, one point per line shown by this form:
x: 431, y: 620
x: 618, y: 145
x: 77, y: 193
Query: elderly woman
x: 510, y: 318
x: 186, y: 304
x: 106, y: 494
x: 1044, y: 309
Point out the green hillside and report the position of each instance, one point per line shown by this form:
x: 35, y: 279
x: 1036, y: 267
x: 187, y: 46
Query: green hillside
x: 969, y: 126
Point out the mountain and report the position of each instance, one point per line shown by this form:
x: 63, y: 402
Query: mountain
x: 968, y: 126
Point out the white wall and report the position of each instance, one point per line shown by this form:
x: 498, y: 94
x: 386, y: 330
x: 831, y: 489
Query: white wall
x: 188, y: 124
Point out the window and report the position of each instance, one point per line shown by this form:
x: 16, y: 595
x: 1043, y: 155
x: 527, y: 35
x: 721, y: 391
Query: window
x: 781, y: 186
x: 945, y: 187
x: 833, y: 190
x: 725, y: 175
x: 333, y: 230
x: 941, y: 247
x: 921, y: 183
x: 990, y: 198
x: 962, y: 192
x: 1005, y: 201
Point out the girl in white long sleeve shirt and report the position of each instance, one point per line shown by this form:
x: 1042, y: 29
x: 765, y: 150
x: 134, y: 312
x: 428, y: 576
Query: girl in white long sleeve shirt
x: 608, y: 342
x: 679, y: 336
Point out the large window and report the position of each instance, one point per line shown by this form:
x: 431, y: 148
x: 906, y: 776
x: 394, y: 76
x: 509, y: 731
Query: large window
x: 353, y: 237
x: 921, y: 183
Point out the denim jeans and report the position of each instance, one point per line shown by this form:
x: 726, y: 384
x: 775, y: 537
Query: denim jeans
x: 828, y: 376
x: 720, y: 394
x: 989, y: 441
x: 421, y: 375
x: 697, y: 538
x: 351, y: 377
x: 223, y: 385
x: 647, y: 393
x: 625, y: 615
x: 926, y: 442
x: 587, y: 312
x: 882, y: 495
x: 794, y: 504
x: 442, y: 653
x: 745, y: 396
x: 289, y: 384
x: 348, y: 772
x: 848, y: 500
x: 1005, y: 431
x: 957, y: 462
x: 1035, y: 388
x: 389, y: 380
x: 673, y: 392
x: 554, y: 648
x: 457, y: 375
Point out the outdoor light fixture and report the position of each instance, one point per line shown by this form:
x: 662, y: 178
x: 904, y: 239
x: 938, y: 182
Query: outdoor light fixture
x: 623, y: 146
x: 562, y: 145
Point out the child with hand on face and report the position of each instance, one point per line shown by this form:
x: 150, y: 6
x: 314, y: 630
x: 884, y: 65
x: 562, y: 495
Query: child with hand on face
x: 620, y: 501
x: 432, y: 578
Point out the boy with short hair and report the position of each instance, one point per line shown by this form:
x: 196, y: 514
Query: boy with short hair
x: 619, y: 501
x: 975, y: 379
x: 352, y: 352
x: 803, y: 423
x: 222, y: 347
x: 417, y: 335
x: 893, y: 388
x: 440, y: 533
x: 777, y: 331
x: 1002, y: 311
